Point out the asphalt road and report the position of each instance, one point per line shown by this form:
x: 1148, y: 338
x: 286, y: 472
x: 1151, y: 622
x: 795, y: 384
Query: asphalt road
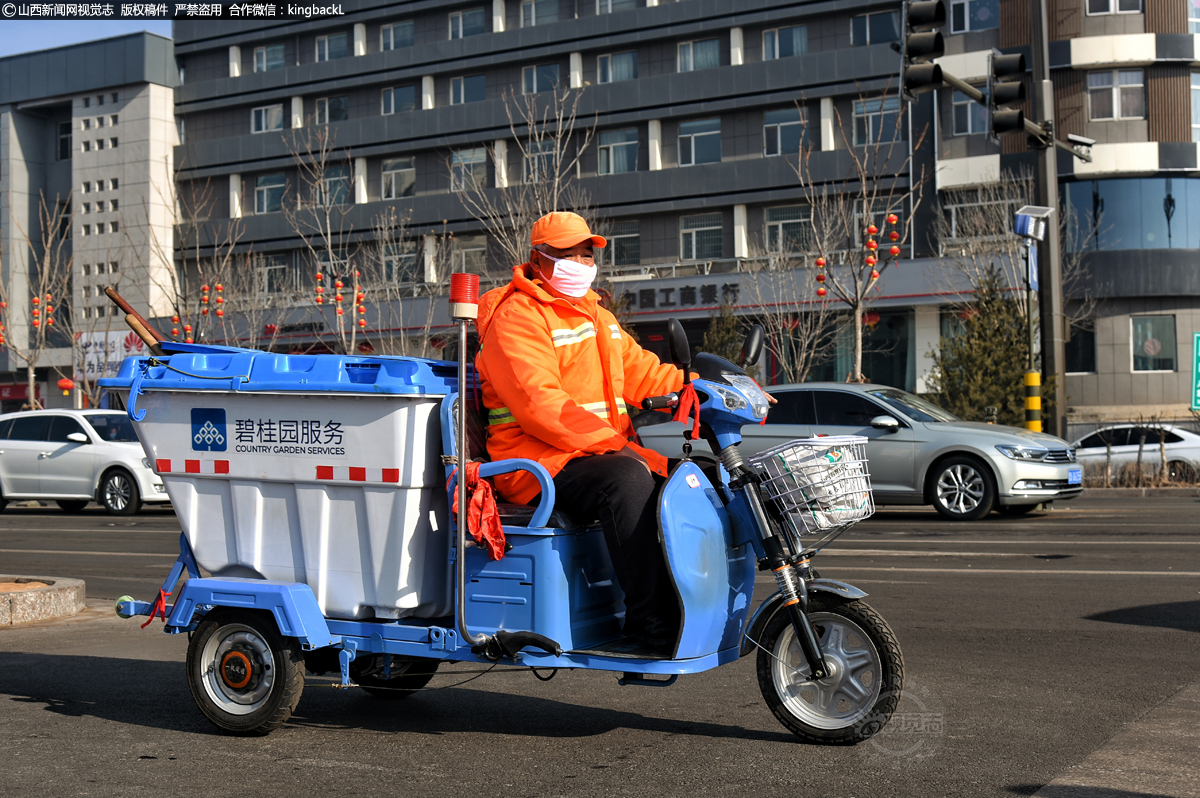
x: 1028, y: 643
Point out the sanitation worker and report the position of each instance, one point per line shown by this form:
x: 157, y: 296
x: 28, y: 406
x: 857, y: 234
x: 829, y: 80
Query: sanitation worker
x: 558, y: 374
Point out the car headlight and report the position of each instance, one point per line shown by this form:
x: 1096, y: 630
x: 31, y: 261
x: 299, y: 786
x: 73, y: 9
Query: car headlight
x: 758, y: 399
x: 1020, y: 451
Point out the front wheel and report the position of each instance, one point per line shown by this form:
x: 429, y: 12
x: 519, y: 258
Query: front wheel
x: 243, y: 675
x: 405, y: 676
x: 119, y: 493
x: 866, y: 673
x: 963, y: 489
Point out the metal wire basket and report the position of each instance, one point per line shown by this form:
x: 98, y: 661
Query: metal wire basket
x: 819, y: 485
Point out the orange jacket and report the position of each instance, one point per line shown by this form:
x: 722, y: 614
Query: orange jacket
x: 556, y: 378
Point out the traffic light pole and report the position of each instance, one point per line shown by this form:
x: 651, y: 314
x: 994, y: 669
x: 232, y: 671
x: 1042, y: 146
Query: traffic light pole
x: 1050, y: 296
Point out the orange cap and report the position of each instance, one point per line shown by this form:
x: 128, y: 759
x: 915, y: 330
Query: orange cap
x: 562, y: 230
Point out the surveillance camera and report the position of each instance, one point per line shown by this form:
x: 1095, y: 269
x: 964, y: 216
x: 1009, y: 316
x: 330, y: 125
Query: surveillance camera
x: 1082, y: 141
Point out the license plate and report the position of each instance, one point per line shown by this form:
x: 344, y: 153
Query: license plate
x: 1075, y: 476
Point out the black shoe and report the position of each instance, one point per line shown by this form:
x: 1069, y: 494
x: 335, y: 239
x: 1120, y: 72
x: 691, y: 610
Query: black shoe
x: 653, y: 632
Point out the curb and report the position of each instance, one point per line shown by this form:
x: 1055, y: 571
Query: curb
x: 59, y: 598
x: 1139, y: 493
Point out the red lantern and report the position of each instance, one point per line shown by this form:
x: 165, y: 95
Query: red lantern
x: 820, y: 278
x: 220, y: 287
x: 820, y: 263
x: 356, y: 274
x: 37, y: 300
x: 338, y: 284
x: 37, y: 323
x: 872, y: 245
x: 174, y: 319
x: 362, y: 309
x: 360, y: 297
x: 220, y: 300
x: 320, y: 289
x: 66, y: 385
x: 870, y: 260
x: 49, y: 322
x: 874, y: 275
x: 204, y: 288
x: 337, y: 297
x: 821, y: 291
x: 188, y: 340
x: 204, y: 311
x: 340, y: 311
x: 894, y: 236
x: 892, y: 218
x: 320, y: 300
x: 894, y: 251
x: 36, y: 313
x: 174, y: 332
x: 318, y: 277
x: 872, y: 230
x: 3, y: 305
x: 871, y: 318
x: 220, y: 312
x: 187, y: 328
x: 362, y: 323
x: 48, y: 297
x: 204, y: 299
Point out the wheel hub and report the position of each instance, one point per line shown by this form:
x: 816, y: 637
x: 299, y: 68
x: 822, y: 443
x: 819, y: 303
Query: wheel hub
x: 237, y: 669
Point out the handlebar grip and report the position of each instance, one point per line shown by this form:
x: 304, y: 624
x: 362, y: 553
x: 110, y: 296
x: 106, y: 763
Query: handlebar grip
x: 659, y: 402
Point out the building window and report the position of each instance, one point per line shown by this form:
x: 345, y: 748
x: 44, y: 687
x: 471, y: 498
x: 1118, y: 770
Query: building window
x: 468, y: 169
x: 87, y: 229
x: 540, y: 160
x: 1081, y: 348
x: 112, y: 205
x: 703, y: 54
x: 64, y: 141
x: 181, y: 128
x: 399, y: 177
x: 268, y: 58
x: 1117, y: 94
x: 540, y: 78
x: 613, y: 6
x: 968, y: 15
x: 266, y: 119
x: 538, y: 12
x: 99, y: 144
x: 1095, y: 7
x: 700, y: 237
x: 87, y: 146
x: 115, y: 96
x: 87, y: 102
x: 1193, y: 17
x: 87, y: 207
x: 471, y: 22
x: 268, y: 193
x: 785, y: 42
x: 100, y: 206
x: 87, y: 187
x: 332, y: 109
x: 618, y: 151
x: 112, y: 268
x: 469, y: 89
x: 1153, y: 343
x: 99, y: 121
x: 99, y: 99
x: 112, y: 120
x: 113, y: 142
x: 876, y: 121
x: 783, y: 132
x: 112, y: 227
x: 789, y: 230
x: 112, y: 184
x: 273, y: 275
x: 396, y: 35
x: 699, y: 142
x: 399, y: 99
x: 469, y: 254
x: 880, y: 28
x: 335, y: 45
x: 334, y: 186
x: 87, y: 124
x: 616, y: 67
x: 1196, y: 106
x: 624, y: 244
x: 970, y: 118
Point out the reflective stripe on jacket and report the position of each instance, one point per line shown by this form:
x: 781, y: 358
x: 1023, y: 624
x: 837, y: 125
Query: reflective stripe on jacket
x: 557, y: 376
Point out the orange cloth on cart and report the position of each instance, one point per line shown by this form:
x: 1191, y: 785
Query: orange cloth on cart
x: 557, y: 376
x: 483, y: 516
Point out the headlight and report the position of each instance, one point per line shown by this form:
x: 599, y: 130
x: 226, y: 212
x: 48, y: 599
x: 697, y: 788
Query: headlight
x: 758, y: 399
x: 1018, y: 451
x: 732, y: 399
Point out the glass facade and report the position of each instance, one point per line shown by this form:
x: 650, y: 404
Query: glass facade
x: 1133, y: 213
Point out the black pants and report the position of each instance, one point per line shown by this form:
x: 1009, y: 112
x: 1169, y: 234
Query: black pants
x: 623, y: 494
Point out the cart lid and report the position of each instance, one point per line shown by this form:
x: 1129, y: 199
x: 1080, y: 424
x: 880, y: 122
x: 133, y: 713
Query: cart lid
x: 199, y: 367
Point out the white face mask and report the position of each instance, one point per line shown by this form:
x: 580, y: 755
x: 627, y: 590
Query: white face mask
x: 570, y: 277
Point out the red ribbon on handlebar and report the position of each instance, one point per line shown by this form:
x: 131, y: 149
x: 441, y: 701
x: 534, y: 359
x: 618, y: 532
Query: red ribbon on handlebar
x: 689, y: 405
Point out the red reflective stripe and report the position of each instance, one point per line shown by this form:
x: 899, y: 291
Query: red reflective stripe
x: 191, y: 466
x: 324, y: 472
x: 391, y: 475
x: 358, y: 474
x: 221, y: 466
x: 162, y: 466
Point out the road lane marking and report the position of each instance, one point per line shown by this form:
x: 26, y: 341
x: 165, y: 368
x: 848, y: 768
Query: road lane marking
x: 84, y: 553
x: 915, y: 553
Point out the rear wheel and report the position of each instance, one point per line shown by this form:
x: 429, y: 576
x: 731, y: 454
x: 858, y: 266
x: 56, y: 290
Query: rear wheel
x: 405, y: 677
x: 72, y: 505
x: 245, y: 677
x: 1181, y: 472
x: 119, y: 493
x: 866, y: 672
x: 962, y: 488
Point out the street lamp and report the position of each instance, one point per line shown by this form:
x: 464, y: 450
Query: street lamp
x: 1030, y: 223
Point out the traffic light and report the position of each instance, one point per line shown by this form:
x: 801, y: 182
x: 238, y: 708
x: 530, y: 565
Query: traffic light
x: 1004, y: 90
x: 919, y: 46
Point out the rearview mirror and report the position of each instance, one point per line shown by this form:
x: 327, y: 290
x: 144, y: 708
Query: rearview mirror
x: 752, y: 348
x: 681, y: 351
x: 886, y: 423
x: 77, y: 437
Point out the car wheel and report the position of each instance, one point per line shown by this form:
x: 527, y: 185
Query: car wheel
x: 962, y: 489
x: 119, y: 493
x: 72, y: 505
x: 1181, y: 472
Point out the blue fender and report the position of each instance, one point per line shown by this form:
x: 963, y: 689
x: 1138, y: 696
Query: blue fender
x: 774, y: 602
x: 293, y: 605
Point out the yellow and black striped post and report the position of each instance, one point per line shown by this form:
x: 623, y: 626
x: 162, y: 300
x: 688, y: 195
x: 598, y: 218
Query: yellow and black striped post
x: 1033, y: 401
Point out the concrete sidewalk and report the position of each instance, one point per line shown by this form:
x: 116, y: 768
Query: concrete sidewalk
x: 1155, y: 756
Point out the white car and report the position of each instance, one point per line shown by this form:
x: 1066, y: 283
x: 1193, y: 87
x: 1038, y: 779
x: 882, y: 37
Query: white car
x: 73, y: 457
x: 1182, y: 448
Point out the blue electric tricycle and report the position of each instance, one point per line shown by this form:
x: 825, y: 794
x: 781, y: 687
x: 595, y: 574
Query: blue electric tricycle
x: 828, y: 665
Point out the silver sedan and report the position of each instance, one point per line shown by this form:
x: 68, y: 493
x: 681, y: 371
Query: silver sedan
x: 917, y: 452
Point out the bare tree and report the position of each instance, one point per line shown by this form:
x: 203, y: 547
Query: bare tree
x: 549, y: 142
x: 96, y: 340
x: 860, y: 224
x: 31, y: 325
